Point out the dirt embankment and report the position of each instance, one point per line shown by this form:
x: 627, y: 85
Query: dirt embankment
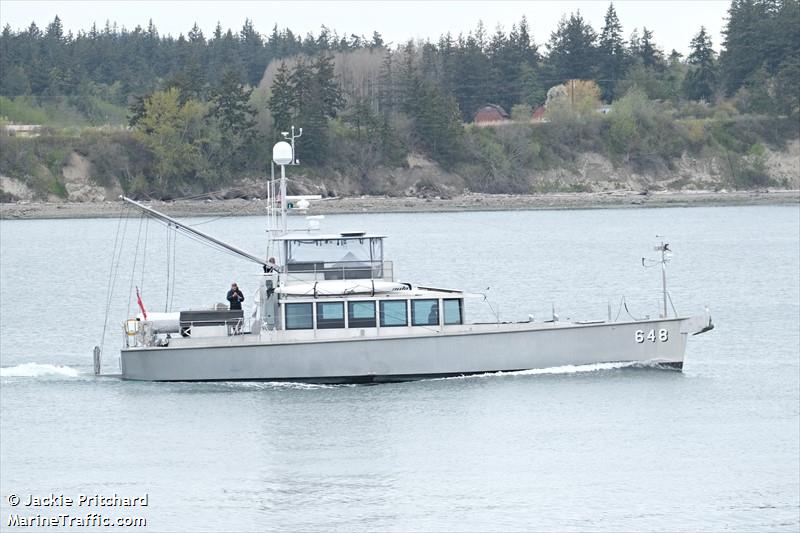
x: 381, y: 204
x: 423, y: 186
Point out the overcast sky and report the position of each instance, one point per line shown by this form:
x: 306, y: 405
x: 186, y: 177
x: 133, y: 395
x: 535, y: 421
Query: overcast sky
x: 674, y: 22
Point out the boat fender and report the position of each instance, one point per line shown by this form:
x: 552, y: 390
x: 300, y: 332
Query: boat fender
x: 132, y: 326
x: 97, y: 362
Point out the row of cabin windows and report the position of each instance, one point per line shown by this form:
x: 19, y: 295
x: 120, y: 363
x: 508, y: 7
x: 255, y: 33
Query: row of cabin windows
x: 361, y: 314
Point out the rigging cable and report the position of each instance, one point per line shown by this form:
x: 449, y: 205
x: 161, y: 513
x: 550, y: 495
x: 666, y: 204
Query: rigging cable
x: 199, y: 240
x: 116, y: 257
x: 174, y: 249
x: 193, y: 237
x: 144, y: 251
x: 619, y: 311
x: 206, y: 221
x: 135, y: 260
x: 672, y: 304
x: 625, y: 304
x: 166, y: 297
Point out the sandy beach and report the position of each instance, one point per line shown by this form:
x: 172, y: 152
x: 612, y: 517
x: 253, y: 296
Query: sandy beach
x: 382, y: 204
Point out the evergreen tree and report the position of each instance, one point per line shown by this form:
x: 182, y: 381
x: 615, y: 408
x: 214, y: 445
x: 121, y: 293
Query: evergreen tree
x: 386, y: 89
x: 759, y: 33
x: 651, y: 56
x: 446, y: 49
x: 55, y: 30
x: 429, y: 65
x: 377, y: 40
x: 572, y: 48
x: 473, y: 74
x: 230, y: 106
x: 330, y: 93
x: 505, y: 67
x: 701, y: 80
x: 281, y: 101
x: 316, y: 97
x: 190, y: 81
x: 252, y: 53
x: 409, y: 81
x: 437, y: 124
x: 611, y: 54
x: 196, y: 35
x: 314, y: 144
x: 527, y: 47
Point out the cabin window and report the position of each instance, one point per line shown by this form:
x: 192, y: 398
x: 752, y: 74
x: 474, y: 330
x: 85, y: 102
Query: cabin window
x: 452, y: 311
x: 424, y: 312
x: 393, y: 313
x: 299, y: 316
x: 330, y: 315
x: 361, y: 314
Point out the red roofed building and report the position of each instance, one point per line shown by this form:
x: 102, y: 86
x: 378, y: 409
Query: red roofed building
x: 490, y: 113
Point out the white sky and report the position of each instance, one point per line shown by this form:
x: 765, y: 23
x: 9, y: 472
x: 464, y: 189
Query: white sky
x: 674, y: 22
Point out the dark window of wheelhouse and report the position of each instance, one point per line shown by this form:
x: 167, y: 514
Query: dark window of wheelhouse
x: 330, y: 315
x: 361, y: 314
x: 424, y: 312
x: 299, y: 316
x: 393, y: 313
x: 452, y: 310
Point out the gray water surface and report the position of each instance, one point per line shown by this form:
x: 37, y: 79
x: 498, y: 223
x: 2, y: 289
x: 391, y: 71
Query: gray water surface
x: 597, y: 448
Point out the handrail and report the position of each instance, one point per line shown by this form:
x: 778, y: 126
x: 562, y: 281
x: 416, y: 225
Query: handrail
x: 143, y: 337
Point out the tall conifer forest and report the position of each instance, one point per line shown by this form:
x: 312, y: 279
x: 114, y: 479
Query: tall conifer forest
x: 166, y: 116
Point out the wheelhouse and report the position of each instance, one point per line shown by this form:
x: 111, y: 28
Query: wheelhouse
x: 347, y: 255
x: 341, y: 282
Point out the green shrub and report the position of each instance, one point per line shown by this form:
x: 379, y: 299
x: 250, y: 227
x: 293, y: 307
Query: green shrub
x: 21, y: 110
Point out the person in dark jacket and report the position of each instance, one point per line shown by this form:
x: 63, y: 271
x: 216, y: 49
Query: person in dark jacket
x: 235, y: 297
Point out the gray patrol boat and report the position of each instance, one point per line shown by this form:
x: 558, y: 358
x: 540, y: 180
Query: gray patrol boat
x: 332, y: 312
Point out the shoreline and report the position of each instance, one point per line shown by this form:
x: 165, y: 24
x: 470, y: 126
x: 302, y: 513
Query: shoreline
x: 382, y: 204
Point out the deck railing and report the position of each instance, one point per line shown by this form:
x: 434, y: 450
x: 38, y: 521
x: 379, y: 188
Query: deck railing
x: 137, y: 333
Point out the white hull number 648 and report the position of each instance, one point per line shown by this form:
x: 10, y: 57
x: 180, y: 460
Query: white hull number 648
x: 662, y: 335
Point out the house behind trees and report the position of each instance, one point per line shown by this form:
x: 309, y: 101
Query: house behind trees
x: 490, y: 113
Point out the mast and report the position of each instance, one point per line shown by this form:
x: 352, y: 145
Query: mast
x: 284, y: 218
x: 664, y: 249
x: 281, y: 156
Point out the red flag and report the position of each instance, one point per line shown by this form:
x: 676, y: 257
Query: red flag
x: 141, y: 305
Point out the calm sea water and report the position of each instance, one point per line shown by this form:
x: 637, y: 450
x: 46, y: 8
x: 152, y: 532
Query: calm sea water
x: 716, y: 447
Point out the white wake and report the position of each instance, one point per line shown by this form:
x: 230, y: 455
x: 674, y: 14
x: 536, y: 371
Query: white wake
x: 35, y: 370
x: 565, y: 369
x: 574, y: 369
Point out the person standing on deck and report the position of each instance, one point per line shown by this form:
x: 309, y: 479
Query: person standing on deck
x: 235, y: 297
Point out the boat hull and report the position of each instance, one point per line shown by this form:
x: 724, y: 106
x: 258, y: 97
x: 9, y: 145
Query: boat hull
x: 403, y: 358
